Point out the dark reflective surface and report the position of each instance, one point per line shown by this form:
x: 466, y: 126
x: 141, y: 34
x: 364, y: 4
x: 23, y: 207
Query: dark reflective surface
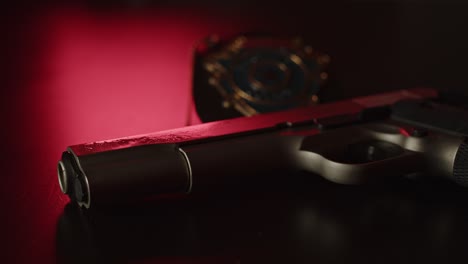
x: 305, y: 220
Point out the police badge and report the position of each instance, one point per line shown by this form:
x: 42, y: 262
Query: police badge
x: 251, y: 74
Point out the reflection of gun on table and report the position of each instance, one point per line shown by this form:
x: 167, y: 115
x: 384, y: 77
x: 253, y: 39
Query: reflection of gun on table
x: 351, y: 142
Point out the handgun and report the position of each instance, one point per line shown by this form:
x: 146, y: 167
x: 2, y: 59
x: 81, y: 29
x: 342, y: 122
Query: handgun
x: 355, y: 141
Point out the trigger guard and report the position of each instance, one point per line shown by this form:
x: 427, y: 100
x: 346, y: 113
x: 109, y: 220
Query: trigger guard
x: 353, y: 174
x: 330, y: 161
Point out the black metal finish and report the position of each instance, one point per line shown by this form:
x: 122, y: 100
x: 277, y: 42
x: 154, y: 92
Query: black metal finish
x: 430, y: 114
x: 126, y: 175
x: 460, y: 166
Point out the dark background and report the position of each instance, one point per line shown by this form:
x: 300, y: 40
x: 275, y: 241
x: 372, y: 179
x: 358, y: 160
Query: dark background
x: 87, y: 70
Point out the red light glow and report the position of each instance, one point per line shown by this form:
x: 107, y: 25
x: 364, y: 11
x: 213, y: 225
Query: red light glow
x: 121, y: 79
x: 404, y: 132
x: 120, y: 74
x: 92, y: 76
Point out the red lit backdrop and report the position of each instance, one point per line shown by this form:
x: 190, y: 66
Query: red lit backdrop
x: 94, y: 76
